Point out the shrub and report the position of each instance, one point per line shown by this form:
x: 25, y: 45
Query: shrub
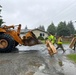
x: 40, y: 38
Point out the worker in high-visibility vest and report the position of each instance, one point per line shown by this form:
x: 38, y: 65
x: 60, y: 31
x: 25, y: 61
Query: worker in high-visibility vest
x: 59, y: 43
x: 52, y: 38
x: 50, y: 44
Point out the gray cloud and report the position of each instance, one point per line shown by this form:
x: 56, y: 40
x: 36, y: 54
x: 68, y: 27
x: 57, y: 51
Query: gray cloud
x: 37, y: 12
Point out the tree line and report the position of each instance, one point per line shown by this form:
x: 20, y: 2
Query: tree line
x: 62, y: 28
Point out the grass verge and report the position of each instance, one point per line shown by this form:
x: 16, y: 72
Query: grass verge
x: 72, y: 57
x: 66, y: 42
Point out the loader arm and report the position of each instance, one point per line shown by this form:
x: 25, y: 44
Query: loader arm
x: 8, y: 27
x: 2, y: 30
x: 19, y: 29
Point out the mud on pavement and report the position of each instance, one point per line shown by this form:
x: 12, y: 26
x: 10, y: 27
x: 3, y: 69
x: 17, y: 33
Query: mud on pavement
x: 35, y: 60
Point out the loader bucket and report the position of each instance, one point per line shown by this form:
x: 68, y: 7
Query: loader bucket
x: 30, y: 39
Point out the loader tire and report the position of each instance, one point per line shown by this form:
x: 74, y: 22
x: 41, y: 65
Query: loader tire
x: 7, y: 43
x: 16, y: 43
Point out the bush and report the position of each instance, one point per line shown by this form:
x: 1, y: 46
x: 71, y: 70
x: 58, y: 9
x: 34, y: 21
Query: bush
x: 46, y: 38
x: 40, y: 38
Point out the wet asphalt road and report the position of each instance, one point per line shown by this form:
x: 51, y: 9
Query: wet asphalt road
x: 35, y: 60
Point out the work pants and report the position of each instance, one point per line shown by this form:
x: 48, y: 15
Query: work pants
x: 60, y: 46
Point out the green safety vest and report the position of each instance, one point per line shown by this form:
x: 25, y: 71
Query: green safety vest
x: 52, y: 39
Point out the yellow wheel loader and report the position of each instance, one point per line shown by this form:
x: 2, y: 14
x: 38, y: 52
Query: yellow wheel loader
x: 10, y: 38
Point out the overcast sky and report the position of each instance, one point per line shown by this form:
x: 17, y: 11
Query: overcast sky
x: 34, y: 13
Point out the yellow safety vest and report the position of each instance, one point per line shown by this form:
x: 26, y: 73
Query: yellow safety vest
x: 59, y: 40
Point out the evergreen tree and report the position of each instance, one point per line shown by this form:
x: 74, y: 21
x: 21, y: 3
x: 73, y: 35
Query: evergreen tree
x: 71, y: 27
x: 41, y: 27
x: 26, y: 27
x: 51, y: 28
x: 1, y: 20
x: 62, y: 29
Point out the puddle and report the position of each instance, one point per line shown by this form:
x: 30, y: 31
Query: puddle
x: 38, y: 69
x: 41, y: 70
x: 64, y: 67
x: 35, y: 47
x: 41, y: 67
x: 69, y: 68
x: 39, y: 73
